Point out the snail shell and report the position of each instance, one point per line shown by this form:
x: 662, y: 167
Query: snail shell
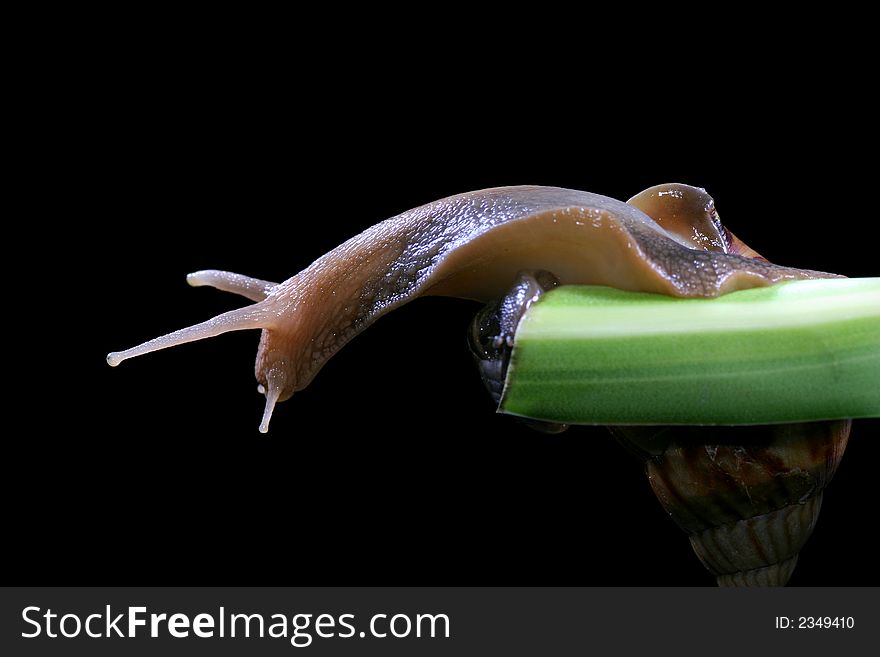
x: 748, y: 497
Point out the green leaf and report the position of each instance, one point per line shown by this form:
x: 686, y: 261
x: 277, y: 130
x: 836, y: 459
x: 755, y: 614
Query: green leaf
x: 792, y: 352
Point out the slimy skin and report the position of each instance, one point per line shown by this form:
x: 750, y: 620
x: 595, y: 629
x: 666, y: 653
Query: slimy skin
x: 473, y: 245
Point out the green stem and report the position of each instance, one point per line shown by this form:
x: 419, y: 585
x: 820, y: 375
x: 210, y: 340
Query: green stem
x: 793, y: 352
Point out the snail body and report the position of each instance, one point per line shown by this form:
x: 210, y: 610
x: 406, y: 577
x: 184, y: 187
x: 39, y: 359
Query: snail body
x: 473, y: 246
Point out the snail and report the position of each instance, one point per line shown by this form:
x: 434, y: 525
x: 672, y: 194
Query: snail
x: 473, y: 246
x: 505, y: 246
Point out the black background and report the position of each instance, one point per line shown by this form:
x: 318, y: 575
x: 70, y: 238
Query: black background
x: 391, y: 468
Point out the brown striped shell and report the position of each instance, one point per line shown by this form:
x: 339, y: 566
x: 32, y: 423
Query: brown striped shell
x: 748, y: 497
